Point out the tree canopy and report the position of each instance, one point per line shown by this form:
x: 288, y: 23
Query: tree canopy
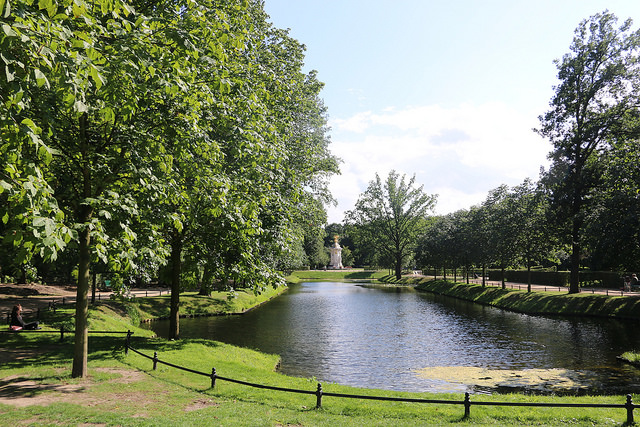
x: 144, y: 134
x: 389, y: 217
x: 595, y: 105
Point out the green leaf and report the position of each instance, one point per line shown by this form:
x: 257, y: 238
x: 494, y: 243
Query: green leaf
x: 41, y: 79
x: 97, y: 78
x: 80, y: 107
x: 10, y: 76
x: 8, y: 30
x: 5, y: 218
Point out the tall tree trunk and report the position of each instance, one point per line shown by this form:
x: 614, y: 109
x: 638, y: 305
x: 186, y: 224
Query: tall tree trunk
x: 574, y: 278
x: 81, y: 343
x: 176, y: 269
x: 93, y: 287
x: 398, y: 268
x: 205, y: 282
x: 484, y: 274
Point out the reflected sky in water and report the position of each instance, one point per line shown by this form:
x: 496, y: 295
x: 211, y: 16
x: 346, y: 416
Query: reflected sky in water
x: 378, y: 337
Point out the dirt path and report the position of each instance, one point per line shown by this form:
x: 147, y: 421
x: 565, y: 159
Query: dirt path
x: 33, y: 296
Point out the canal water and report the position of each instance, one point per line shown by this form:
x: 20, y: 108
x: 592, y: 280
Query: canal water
x: 399, y: 339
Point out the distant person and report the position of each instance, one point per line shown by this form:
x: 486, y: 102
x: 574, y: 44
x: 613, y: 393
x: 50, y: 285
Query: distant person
x: 627, y: 283
x: 17, y: 322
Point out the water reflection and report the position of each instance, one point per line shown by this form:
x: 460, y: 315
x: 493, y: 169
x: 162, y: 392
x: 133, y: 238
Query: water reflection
x: 382, y: 338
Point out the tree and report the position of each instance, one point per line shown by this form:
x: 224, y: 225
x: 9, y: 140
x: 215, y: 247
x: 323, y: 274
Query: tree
x: 390, y: 217
x: 613, y: 229
x: 534, y: 236
x: 595, y: 104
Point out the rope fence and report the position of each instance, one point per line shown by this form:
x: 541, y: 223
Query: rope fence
x: 319, y: 393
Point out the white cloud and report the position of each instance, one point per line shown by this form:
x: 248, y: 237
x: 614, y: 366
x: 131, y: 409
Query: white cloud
x: 458, y: 153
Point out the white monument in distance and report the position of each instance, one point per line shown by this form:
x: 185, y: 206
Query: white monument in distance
x: 336, y: 255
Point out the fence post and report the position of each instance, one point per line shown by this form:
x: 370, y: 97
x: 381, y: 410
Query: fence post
x: 319, y: 396
x: 630, y: 407
x: 467, y: 406
x: 127, y: 342
x: 213, y: 377
x: 61, y: 332
x: 155, y: 360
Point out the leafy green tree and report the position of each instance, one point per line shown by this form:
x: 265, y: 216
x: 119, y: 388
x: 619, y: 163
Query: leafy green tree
x: 503, y: 224
x: 595, y: 105
x: 613, y: 227
x: 390, y: 217
x: 81, y: 107
x: 534, y: 235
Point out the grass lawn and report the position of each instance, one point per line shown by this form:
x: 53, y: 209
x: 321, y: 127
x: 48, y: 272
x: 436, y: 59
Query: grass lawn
x: 335, y: 275
x: 36, y: 387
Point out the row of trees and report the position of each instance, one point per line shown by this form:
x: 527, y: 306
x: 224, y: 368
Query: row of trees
x: 139, y: 135
x: 587, y: 205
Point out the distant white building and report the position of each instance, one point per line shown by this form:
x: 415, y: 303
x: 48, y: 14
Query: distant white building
x: 336, y: 255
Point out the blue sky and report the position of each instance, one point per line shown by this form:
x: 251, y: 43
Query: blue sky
x: 448, y: 90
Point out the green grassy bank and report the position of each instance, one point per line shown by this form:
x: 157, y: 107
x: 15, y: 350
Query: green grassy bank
x: 192, y: 304
x: 335, y: 275
x: 543, y: 303
x: 36, y: 387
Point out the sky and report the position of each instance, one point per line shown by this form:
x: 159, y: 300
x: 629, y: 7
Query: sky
x: 446, y: 90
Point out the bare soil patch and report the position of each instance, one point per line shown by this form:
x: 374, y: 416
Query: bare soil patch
x: 31, y: 295
x: 22, y: 391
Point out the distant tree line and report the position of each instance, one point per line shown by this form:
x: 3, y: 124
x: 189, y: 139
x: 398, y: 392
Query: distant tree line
x: 584, y: 212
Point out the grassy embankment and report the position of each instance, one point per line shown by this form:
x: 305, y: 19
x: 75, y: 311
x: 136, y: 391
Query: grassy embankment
x: 543, y: 303
x: 124, y: 390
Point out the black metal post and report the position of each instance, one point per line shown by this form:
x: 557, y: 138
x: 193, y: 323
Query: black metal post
x: 213, y: 377
x: 155, y: 360
x: 61, y: 333
x: 127, y: 342
x: 319, y: 396
x: 467, y: 405
x: 630, y: 407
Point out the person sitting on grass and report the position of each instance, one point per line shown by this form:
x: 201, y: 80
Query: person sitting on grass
x: 16, y: 320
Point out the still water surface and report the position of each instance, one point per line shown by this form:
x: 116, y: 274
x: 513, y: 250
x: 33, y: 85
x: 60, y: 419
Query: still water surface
x: 377, y: 337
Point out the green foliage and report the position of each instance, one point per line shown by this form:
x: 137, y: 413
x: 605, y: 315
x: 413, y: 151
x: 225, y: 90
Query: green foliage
x: 389, y: 218
x: 138, y: 134
x: 594, y: 107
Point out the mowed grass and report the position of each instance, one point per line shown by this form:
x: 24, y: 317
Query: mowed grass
x: 125, y: 390
x: 217, y: 303
x: 546, y: 303
x: 335, y: 275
